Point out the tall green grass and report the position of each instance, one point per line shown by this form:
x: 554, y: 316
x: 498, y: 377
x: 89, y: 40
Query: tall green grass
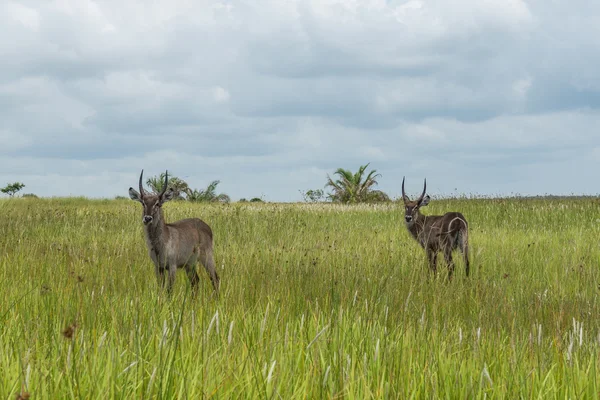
x: 317, y: 301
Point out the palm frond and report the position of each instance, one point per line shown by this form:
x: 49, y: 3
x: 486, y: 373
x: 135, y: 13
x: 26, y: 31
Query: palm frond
x: 352, y: 187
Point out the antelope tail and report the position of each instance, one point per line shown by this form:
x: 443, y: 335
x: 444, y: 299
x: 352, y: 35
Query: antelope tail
x: 462, y: 238
x: 462, y: 223
x: 463, y: 233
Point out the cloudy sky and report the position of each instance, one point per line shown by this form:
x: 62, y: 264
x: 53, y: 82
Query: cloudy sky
x: 269, y: 96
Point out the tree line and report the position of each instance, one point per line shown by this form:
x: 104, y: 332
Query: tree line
x: 344, y: 187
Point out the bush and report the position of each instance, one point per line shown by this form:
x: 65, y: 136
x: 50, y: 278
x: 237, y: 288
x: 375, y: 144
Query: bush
x: 313, y: 195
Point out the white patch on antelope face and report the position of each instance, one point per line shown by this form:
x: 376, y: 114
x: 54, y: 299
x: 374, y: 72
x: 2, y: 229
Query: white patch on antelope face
x: 411, y: 210
x: 151, y: 209
x: 410, y: 214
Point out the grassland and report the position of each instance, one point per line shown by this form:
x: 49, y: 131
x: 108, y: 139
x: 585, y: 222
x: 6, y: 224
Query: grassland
x: 317, y: 301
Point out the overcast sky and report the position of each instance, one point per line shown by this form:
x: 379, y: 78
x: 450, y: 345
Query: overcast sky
x: 478, y: 96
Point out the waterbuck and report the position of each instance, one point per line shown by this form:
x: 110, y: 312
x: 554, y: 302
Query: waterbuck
x: 175, y: 245
x: 437, y: 233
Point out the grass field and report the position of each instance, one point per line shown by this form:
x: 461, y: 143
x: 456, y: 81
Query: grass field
x: 317, y: 301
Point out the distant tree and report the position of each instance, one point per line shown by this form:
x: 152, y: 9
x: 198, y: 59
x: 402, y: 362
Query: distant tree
x: 12, y: 188
x: 378, y: 196
x: 179, y: 186
x: 256, y: 200
x: 207, y: 195
x: 313, y: 195
x: 353, y: 188
x: 243, y: 200
x: 30, y: 195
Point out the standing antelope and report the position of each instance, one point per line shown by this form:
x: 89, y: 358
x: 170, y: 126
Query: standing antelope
x: 437, y: 232
x: 175, y: 245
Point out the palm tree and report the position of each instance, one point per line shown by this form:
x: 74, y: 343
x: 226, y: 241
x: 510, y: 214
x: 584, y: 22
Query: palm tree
x: 179, y: 186
x: 352, y: 188
x: 208, y: 195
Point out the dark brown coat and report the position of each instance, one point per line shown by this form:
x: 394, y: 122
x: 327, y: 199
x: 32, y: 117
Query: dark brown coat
x: 437, y: 233
x: 176, y: 245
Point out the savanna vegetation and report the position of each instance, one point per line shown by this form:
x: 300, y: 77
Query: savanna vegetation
x: 351, y: 187
x: 182, y: 191
x: 316, y: 301
x: 12, y: 188
x: 347, y: 188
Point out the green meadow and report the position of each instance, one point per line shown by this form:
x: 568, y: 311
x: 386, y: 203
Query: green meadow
x: 317, y: 301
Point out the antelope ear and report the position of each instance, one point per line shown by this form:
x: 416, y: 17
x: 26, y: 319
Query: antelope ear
x: 168, y: 195
x: 425, y: 201
x: 134, y: 195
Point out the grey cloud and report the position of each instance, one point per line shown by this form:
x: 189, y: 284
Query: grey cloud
x: 489, y: 97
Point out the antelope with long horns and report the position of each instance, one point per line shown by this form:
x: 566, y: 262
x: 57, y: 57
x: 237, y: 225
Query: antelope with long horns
x: 437, y: 233
x: 175, y: 245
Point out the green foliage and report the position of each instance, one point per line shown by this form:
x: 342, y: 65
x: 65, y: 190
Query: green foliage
x: 30, y: 196
x: 208, y: 195
x: 355, y: 188
x: 377, y: 196
x: 317, y: 301
x: 252, y: 200
x: 12, y: 188
x: 179, y: 186
x: 313, y: 195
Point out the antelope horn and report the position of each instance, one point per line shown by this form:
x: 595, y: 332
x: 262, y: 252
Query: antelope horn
x: 165, y: 186
x: 424, y: 190
x: 141, y: 184
x: 404, y: 197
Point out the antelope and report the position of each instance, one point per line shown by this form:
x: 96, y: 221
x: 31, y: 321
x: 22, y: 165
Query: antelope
x: 437, y: 233
x: 175, y: 245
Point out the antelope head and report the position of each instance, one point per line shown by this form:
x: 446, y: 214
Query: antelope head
x: 152, y: 202
x: 411, y: 208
